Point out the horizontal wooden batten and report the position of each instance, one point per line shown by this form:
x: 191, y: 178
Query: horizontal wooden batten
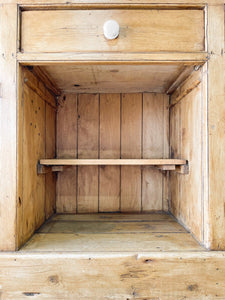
x: 103, y: 57
x: 112, y: 162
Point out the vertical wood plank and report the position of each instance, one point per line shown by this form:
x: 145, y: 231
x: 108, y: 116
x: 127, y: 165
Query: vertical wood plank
x: 131, y: 148
x: 153, y: 147
x: 216, y: 127
x: 50, y: 178
x: 109, y: 176
x: 8, y: 126
x: 88, y: 142
x: 175, y: 153
x: 166, y: 150
x: 67, y: 148
x: 67, y: 126
x: 19, y: 214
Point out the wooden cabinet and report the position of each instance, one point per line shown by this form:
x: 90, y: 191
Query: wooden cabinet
x: 112, y: 150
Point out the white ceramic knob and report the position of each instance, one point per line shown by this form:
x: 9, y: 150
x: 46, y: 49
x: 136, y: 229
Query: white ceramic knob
x: 111, y: 29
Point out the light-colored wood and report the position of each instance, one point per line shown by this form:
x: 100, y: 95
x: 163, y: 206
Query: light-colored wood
x: 153, y: 147
x: 37, y: 133
x: 113, y: 162
x: 67, y: 126
x: 110, y: 227
x: 109, y: 176
x: 111, y: 242
x: 66, y: 191
x: 187, y: 127
x: 50, y: 151
x: 131, y: 144
x: 110, y: 134
x: 9, y: 199
x: 101, y: 3
x: 49, y: 83
x: 34, y: 83
x: 33, y: 197
x: 186, y: 87
x: 140, y: 30
x: 67, y: 148
x: 111, y: 224
x: 115, y: 217
x: 216, y: 128
x: 121, y: 78
x: 111, y: 236
x: 152, y: 275
x: 175, y: 147
x: 191, y: 209
x: 46, y: 59
x: 88, y: 147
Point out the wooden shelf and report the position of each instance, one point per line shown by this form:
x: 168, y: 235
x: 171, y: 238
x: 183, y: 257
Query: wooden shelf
x: 113, y: 162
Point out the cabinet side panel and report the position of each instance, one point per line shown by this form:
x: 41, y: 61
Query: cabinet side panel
x: 187, y: 129
x: 38, y: 141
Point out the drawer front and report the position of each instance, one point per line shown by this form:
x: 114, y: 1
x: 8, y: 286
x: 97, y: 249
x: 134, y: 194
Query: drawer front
x: 141, y: 30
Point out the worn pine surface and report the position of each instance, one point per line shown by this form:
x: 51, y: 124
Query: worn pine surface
x: 108, y: 235
x: 216, y: 129
x: 139, y: 3
x: 112, y: 126
x: 187, y: 131
x: 140, y: 31
x: 37, y: 192
x: 109, y: 144
x: 117, y: 77
x: 8, y: 128
x: 194, y: 275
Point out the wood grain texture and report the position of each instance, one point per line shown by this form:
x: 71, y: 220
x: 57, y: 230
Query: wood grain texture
x: 187, y: 127
x: 119, y: 78
x: 37, y: 134
x: 50, y: 151
x: 88, y: 147
x: 191, y: 206
x: 117, y: 3
x: 131, y: 128
x: 8, y: 127
x: 216, y: 127
x: 113, y: 162
x: 175, y: 152
x: 149, y: 275
x: 33, y: 197
x: 101, y: 133
x: 114, y: 58
x: 67, y: 148
x: 140, y: 30
x: 111, y: 235
x: 109, y: 176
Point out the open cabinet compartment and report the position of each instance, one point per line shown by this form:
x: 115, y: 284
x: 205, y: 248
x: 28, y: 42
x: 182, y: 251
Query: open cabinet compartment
x: 108, y: 154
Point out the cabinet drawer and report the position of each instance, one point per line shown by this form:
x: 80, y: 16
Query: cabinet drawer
x: 141, y: 30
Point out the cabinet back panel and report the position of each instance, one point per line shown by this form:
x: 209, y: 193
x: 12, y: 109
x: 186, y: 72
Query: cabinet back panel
x: 112, y: 126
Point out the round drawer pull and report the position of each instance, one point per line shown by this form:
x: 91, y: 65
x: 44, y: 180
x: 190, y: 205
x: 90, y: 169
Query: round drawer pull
x: 111, y: 29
